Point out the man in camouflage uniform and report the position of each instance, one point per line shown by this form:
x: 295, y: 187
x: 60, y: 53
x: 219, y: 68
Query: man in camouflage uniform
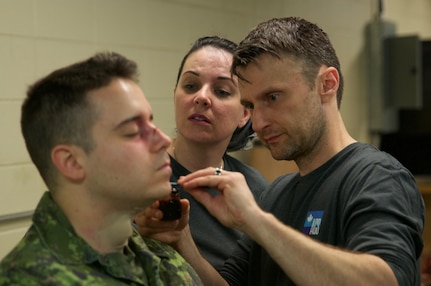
x: 88, y: 129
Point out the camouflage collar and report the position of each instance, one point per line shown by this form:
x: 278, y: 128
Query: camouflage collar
x: 58, y: 235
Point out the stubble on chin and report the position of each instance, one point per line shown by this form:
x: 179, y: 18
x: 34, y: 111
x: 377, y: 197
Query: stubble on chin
x: 281, y: 152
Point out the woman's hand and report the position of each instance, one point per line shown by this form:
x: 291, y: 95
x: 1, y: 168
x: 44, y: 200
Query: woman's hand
x: 150, y: 224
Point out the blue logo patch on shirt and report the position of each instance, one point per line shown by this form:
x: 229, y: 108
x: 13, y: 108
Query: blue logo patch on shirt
x: 312, y: 222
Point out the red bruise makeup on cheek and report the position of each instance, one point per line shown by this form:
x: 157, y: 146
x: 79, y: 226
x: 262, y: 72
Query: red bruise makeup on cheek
x: 146, y: 128
x: 149, y: 133
x: 137, y: 127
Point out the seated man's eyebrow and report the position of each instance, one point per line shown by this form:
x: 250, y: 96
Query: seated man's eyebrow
x: 127, y: 121
x: 136, y: 118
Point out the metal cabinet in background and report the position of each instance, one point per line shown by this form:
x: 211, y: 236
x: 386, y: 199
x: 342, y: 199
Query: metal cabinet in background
x: 400, y: 94
x: 403, y: 72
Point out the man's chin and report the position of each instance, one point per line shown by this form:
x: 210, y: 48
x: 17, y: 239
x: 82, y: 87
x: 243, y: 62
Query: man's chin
x: 165, y: 190
x: 279, y: 155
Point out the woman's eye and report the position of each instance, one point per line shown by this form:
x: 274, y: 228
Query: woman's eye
x: 222, y: 93
x: 190, y: 87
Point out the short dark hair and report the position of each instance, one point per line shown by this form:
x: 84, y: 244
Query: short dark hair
x: 57, y: 111
x: 292, y: 36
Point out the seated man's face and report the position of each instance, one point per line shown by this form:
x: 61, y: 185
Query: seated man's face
x: 129, y: 166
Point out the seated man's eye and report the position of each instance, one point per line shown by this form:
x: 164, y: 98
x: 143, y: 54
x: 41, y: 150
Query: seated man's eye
x: 134, y: 134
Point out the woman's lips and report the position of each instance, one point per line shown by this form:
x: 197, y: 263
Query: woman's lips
x: 199, y: 118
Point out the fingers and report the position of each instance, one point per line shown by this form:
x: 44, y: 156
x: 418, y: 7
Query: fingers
x: 152, y: 211
x: 200, y: 173
x: 150, y: 225
x: 185, y: 213
x: 218, y: 171
x: 233, y: 201
x: 149, y: 221
x: 205, y: 178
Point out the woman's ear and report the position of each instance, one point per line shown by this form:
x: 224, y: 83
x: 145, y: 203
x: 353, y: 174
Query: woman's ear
x: 67, y: 159
x: 329, y: 81
x: 245, y: 117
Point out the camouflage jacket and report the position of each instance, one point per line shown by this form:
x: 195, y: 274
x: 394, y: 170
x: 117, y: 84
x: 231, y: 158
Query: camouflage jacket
x: 51, y: 253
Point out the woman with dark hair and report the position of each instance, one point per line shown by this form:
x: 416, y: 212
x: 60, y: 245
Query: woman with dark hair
x: 210, y: 122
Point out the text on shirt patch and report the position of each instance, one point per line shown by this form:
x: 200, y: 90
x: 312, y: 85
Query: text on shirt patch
x: 312, y: 222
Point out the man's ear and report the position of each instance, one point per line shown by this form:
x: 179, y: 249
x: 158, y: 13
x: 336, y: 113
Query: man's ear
x: 329, y: 81
x: 245, y: 117
x: 67, y: 159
